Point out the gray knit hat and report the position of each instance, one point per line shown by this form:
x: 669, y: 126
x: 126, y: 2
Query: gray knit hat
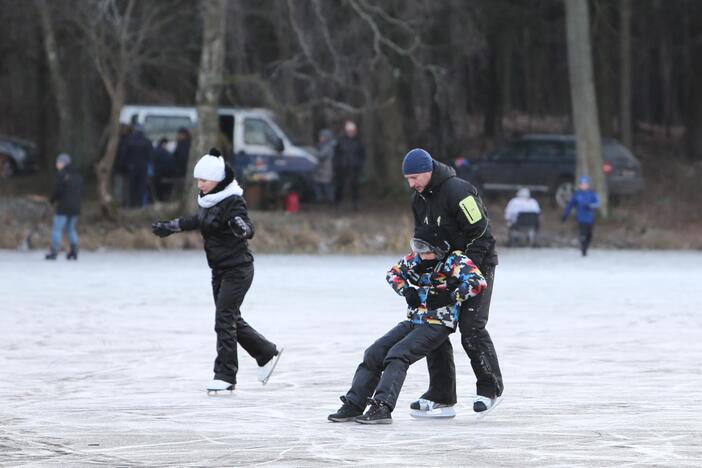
x: 64, y: 159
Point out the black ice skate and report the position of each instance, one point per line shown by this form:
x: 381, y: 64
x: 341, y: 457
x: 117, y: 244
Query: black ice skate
x: 219, y: 386
x: 348, y: 412
x: 378, y: 413
x: 73, y: 254
x: 51, y: 255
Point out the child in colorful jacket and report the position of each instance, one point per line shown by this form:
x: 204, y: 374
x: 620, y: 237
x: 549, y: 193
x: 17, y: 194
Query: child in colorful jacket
x: 433, y: 283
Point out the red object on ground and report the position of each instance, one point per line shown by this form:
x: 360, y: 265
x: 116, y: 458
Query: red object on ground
x: 292, y: 202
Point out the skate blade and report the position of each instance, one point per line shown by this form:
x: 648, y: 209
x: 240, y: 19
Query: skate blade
x: 375, y: 422
x: 275, y: 363
x: 438, y: 413
x: 220, y: 392
x: 482, y: 414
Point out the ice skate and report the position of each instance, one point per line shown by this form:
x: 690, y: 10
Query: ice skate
x: 347, y: 413
x: 265, y: 371
x: 73, y: 254
x: 424, y: 408
x: 378, y: 413
x: 484, y: 405
x: 217, y: 386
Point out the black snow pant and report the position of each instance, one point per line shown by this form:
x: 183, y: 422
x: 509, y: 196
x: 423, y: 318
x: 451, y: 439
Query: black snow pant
x: 386, y: 361
x: 585, y: 236
x: 229, y: 288
x: 344, y: 178
x: 477, y: 344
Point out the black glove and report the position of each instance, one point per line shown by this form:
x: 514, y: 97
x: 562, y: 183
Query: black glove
x: 412, y: 297
x: 165, y: 228
x: 239, y: 228
x: 438, y: 299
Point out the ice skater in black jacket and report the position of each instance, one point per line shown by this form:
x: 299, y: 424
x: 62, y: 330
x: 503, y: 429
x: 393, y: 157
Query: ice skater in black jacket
x: 224, y: 223
x: 440, y: 198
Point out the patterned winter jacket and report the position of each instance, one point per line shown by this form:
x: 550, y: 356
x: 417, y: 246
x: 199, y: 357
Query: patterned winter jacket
x: 456, y: 274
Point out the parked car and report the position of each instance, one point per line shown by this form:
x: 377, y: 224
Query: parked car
x: 546, y: 163
x: 16, y: 156
x: 261, y: 151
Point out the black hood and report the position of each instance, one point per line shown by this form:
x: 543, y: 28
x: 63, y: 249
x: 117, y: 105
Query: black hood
x: 440, y: 174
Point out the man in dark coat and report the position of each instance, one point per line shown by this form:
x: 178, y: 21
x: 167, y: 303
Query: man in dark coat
x: 442, y: 199
x: 137, y: 154
x: 182, y: 152
x: 349, y: 158
x: 66, y: 195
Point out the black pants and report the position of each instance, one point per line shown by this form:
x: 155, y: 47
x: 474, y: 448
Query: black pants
x: 386, y: 361
x: 229, y: 288
x: 585, y: 236
x: 138, y: 183
x: 344, y: 178
x: 477, y: 344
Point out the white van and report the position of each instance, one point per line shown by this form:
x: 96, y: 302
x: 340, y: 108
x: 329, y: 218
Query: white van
x: 260, y: 149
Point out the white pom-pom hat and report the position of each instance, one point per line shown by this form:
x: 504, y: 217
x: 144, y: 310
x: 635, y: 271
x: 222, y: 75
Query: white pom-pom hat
x: 210, y: 167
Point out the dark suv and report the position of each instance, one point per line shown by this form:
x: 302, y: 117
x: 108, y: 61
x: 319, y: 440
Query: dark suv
x: 546, y: 163
x: 16, y: 156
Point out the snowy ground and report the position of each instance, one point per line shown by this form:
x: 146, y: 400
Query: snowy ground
x: 104, y: 362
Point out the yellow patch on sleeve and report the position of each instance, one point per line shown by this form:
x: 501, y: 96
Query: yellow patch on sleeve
x: 470, y: 209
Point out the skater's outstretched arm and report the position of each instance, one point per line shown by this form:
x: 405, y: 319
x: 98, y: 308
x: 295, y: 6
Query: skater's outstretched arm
x: 166, y: 228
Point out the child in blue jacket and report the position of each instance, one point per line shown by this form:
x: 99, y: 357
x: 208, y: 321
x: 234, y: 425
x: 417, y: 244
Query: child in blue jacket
x: 434, y: 283
x: 585, y: 202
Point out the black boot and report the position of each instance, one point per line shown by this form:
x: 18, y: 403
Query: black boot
x: 378, y: 413
x: 51, y: 255
x: 73, y: 254
x: 347, y: 412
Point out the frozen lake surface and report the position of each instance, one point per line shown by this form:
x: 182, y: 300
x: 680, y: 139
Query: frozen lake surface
x: 104, y: 362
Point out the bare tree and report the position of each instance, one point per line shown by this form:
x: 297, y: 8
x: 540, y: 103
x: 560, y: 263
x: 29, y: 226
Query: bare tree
x: 583, y: 98
x: 59, y: 86
x: 625, y: 72
x: 209, y: 86
x: 118, y: 36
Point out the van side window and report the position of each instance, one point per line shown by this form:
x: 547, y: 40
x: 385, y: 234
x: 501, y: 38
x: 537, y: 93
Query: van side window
x: 164, y: 126
x: 258, y: 132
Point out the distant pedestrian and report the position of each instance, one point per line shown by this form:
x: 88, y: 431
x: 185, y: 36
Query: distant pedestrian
x: 119, y: 170
x: 349, y: 158
x: 137, y: 154
x: 324, y: 177
x: 164, y: 167
x: 585, y: 202
x: 66, y: 195
x: 182, y: 151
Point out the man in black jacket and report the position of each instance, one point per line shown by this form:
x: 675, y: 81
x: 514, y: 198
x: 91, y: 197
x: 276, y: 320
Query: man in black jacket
x: 137, y: 154
x: 442, y: 199
x: 66, y: 195
x: 349, y: 158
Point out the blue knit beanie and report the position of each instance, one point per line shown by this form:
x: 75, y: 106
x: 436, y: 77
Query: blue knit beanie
x: 417, y: 161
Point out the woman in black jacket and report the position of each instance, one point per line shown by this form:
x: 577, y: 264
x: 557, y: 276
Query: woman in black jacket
x: 224, y: 223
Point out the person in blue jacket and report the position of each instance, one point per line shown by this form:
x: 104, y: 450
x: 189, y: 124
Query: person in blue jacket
x: 585, y: 202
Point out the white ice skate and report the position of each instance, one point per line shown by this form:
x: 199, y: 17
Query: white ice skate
x: 217, y: 386
x: 423, y: 408
x: 484, y: 405
x: 265, y: 371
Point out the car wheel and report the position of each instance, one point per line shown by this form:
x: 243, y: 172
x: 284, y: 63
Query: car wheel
x: 7, y: 167
x: 563, y: 192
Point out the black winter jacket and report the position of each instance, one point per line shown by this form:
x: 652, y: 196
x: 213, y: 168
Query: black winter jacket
x: 223, y: 249
x: 349, y: 154
x: 67, y: 191
x: 454, y: 204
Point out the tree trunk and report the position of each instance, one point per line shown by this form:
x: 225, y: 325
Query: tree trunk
x: 583, y: 98
x: 209, y: 87
x: 625, y: 73
x: 58, y: 82
x: 103, y: 168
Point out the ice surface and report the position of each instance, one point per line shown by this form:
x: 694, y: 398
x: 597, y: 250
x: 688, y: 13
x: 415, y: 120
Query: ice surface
x: 105, y: 362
